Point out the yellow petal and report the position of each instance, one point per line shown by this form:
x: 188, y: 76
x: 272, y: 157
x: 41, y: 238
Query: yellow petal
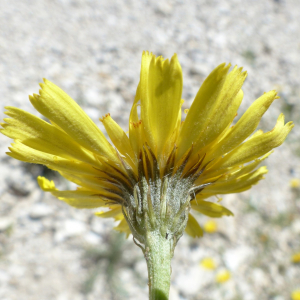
x: 193, y: 228
x: 169, y: 146
x: 56, y: 105
x: 115, y: 212
x: 250, y: 167
x: 259, y: 145
x: 134, y: 119
x: 161, y: 88
x: 30, y: 155
x: 119, y: 138
x: 78, y: 198
x: 214, y: 107
x: 134, y: 116
x: 236, y: 185
x: 89, y: 182
x: 123, y: 227
x: 210, y: 209
x: 246, y: 125
x: 233, y: 172
x: 137, y: 136
x: 40, y: 135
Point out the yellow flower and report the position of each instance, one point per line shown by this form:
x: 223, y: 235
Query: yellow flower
x: 295, y: 183
x: 208, y: 263
x: 295, y: 295
x: 223, y: 276
x: 296, y: 258
x: 210, y: 226
x: 164, y: 167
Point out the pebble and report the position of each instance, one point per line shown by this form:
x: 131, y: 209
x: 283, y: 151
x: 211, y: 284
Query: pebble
x: 92, y: 238
x: 260, y: 279
x: 190, y: 282
x: 69, y: 228
x: 296, y: 227
x: 40, y: 210
x: 235, y: 257
x: 5, y: 223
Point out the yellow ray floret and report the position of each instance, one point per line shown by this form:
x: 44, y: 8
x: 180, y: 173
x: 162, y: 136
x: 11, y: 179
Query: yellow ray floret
x: 57, y: 106
x: 160, y: 92
x: 220, y: 92
x: 40, y: 135
x: 80, y: 198
x: 193, y: 228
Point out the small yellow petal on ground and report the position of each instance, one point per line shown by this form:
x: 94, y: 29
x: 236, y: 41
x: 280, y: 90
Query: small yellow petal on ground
x: 295, y: 295
x: 210, y: 226
x: 223, y: 276
x: 296, y: 258
x: 208, y: 263
x: 295, y: 183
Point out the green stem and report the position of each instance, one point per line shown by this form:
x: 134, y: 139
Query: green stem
x: 158, y: 254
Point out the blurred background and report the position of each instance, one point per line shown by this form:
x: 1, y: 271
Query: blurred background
x: 92, y: 50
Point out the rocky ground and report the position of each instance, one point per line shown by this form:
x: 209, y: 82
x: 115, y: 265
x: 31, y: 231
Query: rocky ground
x: 92, y: 50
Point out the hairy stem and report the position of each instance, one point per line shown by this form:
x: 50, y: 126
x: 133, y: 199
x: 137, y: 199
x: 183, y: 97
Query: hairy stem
x: 158, y: 254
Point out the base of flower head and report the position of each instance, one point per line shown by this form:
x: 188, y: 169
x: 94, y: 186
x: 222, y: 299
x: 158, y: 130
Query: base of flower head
x: 161, y: 206
x: 159, y: 198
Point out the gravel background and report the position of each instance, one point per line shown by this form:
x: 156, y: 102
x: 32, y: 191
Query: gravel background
x: 92, y: 50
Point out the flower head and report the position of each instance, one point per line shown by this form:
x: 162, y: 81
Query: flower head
x: 151, y: 178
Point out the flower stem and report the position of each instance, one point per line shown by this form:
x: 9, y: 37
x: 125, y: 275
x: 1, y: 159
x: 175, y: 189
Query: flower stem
x: 158, y: 254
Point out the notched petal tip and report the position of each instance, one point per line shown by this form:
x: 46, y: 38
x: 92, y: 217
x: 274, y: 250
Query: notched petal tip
x: 174, y: 57
x: 104, y: 117
x: 148, y: 55
x: 33, y: 98
x: 45, y: 184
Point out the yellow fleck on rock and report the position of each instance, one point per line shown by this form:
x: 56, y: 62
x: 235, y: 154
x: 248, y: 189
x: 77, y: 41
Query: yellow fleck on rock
x: 295, y: 183
x: 223, y: 276
x: 208, y: 263
x: 295, y: 295
x: 296, y: 258
x: 210, y: 226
